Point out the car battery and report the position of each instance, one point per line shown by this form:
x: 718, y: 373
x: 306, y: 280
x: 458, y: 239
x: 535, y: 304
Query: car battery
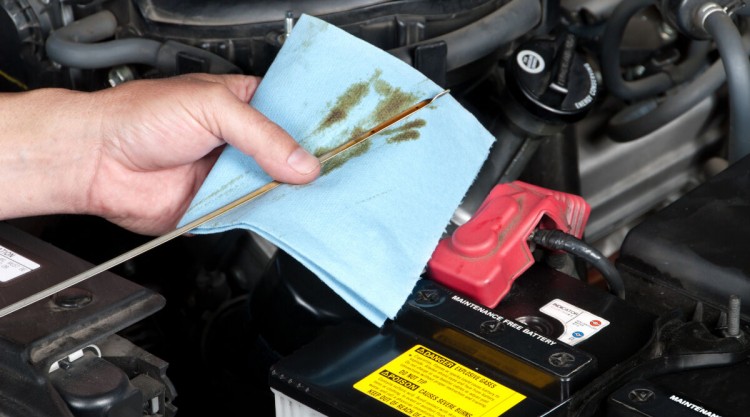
x: 446, y: 355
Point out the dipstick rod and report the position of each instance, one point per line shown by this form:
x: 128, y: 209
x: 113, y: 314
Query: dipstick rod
x: 207, y: 217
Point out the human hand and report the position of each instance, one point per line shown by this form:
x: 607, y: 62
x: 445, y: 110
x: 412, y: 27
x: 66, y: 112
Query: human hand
x: 135, y: 154
x: 159, y: 139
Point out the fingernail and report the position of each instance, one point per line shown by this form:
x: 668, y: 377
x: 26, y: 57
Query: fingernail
x: 301, y: 161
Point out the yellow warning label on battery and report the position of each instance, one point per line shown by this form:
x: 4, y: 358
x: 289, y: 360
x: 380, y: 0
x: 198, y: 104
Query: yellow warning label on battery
x: 421, y: 382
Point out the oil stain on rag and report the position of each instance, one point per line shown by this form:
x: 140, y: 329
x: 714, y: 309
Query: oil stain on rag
x: 391, y: 102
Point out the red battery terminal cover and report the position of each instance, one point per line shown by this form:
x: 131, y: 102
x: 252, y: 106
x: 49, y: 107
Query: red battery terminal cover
x: 483, y: 256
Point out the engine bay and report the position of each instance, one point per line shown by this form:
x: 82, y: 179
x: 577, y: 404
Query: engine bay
x: 614, y: 285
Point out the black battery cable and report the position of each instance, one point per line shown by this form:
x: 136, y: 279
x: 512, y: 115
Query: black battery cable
x: 559, y: 240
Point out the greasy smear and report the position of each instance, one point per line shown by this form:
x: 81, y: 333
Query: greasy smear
x: 414, y: 124
x: 404, y: 136
x: 391, y: 102
x: 220, y: 191
x: 314, y: 30
x: 405, y: 132
x: 342, y: 158
x: 350, y: 98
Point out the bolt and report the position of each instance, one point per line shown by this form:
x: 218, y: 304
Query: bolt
x: 733, y: 316
x: 428, y: 296
x: 73, y: 298
x: 667, y: 32
x: 288, y: 24
x: 64, y: 364
x: 119, y: 75
x: 641, y: 395
x: 490, y: 326
x: 561, y: 359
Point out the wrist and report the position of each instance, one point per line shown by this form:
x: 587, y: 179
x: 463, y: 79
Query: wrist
x: 49, y: 139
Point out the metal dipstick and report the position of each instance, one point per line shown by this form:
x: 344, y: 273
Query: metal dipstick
x: 207, y: 217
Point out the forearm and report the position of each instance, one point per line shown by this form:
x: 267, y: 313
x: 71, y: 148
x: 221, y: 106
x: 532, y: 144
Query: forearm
x: 49, y: 146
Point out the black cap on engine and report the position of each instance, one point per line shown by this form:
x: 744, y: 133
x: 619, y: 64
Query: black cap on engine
x: 551, y: 80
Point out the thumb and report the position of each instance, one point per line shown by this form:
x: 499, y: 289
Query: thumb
x: 267, y: 143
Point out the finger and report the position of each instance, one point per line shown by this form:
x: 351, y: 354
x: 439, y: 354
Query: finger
x: 254, y: 134
x: 242, y: 86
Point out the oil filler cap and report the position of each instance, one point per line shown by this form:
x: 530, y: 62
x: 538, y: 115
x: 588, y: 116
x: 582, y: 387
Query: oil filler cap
x: 549, y: 79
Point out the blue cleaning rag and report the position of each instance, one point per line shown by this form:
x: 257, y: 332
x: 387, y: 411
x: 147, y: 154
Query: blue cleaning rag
x: 369, y: 224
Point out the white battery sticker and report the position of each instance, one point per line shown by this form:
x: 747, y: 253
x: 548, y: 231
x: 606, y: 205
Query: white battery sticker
x: 13, y: 265
x: 579, y: 323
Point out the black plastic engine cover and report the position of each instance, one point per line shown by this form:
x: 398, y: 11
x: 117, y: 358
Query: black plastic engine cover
x: 250, y: 32
x: 695, y: 249
x: 257, y: 12
x: 230, y: 12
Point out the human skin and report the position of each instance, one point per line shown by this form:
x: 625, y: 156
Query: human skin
x: 135, y: 154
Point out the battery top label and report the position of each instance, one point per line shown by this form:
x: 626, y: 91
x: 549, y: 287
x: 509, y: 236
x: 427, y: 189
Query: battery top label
x: 13, y: 265
x: 421, y: 382
x: 579, y: 323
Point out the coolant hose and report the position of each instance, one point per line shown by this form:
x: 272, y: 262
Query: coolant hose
x: 77, y: 45
x: 626, y: 90
x: 644, y: 118
x: 737, y: 67
x: 653, y: 84
x: 480, y: 38
x: 558, y: 240
x: 74, y: 45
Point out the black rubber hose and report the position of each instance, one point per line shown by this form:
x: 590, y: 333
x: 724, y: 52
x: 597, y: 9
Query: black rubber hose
x: 653, y: 84
x: 78, y: 46
x: 504, y: 150
x: 737, y: 67
x: 627, y: 90
x: 695, y: 60
x: 480, y: 38
x: 559, y: 240
x: 644, y: 118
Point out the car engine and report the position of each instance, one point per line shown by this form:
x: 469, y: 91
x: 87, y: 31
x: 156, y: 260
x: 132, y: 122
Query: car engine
x: 629, y: 114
